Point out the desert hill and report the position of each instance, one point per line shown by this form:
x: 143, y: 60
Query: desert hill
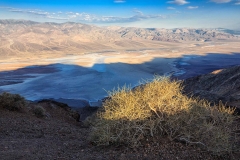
x: 174, y: 35
x: 19, y: 37
x: 223, y: 84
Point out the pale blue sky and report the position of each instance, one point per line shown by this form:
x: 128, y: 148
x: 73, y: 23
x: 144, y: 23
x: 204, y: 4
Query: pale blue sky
x: 136, y: 13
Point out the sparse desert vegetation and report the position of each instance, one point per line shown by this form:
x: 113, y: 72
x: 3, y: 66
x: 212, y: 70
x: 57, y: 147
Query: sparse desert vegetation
x: 39, y: 111
x: 159, y: 108
x: 12, y: 102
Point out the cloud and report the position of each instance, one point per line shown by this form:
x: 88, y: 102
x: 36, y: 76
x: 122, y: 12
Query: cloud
x: 192, y: 7
x: 119, y: 1
x: 237, y: 2
x: 171, y: 8
x: 91, y: 18
x: 57, y: 18
x: 138, y: 17
x: 220, y: 1
x: 35, y: 12
x: 6, y: 7
x: 85, y: 17
x: 69, y: 13
x: 137, y: 11
x: 178, y: 2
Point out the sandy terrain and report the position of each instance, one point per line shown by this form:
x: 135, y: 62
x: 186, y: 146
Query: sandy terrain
x: 128, y: 55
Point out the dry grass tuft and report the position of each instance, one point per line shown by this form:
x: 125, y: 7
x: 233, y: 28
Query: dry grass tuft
x: 12, y: 102
x: 159, y: 108
x: 39, y: 111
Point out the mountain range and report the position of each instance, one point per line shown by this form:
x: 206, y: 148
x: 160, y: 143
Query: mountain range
x: 21, y: 36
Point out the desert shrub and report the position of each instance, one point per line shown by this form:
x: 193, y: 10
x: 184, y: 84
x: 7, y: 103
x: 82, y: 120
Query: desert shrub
x: 13, y: 102
x: 90, y: 120
x: 39, y: 111
x: 159, y: 108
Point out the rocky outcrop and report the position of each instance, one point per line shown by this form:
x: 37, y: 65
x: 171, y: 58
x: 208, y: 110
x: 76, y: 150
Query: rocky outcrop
x: 220, y: 85
x: 175, y: 35
x: 73, y: 113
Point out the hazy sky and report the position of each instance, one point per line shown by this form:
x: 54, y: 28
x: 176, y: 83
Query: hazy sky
x: 137, y: 13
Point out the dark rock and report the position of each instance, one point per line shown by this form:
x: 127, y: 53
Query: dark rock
x: 73, y: 113
x: 62, y: 105
x: 86, y: 111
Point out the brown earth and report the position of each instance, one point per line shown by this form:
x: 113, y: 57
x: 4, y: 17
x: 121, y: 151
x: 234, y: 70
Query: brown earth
x: 58, y: 135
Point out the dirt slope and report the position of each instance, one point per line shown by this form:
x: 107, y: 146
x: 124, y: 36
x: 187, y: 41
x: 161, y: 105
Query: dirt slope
x: 58, y: 135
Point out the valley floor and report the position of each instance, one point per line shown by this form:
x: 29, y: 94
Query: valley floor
x: 88, y: 76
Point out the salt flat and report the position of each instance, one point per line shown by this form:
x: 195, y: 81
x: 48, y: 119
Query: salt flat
x: 91, y: 82
x: 89, y: 76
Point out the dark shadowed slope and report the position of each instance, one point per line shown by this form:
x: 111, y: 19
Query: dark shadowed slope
x: 223, y: 84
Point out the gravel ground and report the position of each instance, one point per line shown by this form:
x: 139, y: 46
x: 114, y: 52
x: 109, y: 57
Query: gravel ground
x: 59, y: 136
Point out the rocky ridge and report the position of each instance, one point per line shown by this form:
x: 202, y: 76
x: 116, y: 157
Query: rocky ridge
x: 97, y: 33
x: 220, y: 85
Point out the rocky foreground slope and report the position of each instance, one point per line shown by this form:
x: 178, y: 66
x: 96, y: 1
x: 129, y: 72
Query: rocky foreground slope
x: 220, y: 85
x: 57, y: 135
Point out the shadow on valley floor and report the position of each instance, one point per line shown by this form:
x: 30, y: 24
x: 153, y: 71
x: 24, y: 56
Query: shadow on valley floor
x: 194, y: 65
x: 73, y: 83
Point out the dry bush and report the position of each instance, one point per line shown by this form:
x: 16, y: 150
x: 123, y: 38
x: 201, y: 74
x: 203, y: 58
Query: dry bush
x: 39, y: 111
x: 159, y: 108
x: 12, y: 102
